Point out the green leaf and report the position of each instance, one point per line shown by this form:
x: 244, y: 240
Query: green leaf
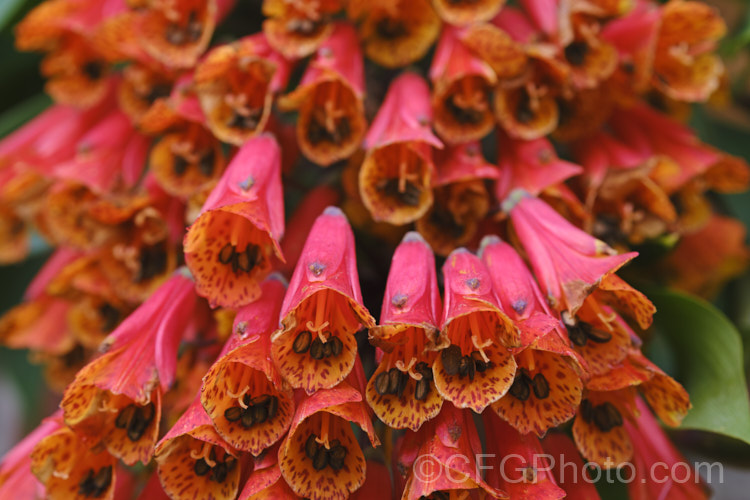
x: 8, y: 9
x: 21, y: 113
x: 708, y: 351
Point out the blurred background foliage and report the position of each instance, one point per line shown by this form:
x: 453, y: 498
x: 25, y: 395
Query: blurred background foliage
x: 705, y: 346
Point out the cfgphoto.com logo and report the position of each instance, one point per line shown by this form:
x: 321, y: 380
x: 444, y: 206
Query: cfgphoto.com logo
x: 514, y: 468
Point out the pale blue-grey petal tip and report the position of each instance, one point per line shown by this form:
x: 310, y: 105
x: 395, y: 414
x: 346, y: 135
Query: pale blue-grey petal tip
x: 513, y: 199
x: 490, y: 239
x: 278, y: 277
x: 413, y: 236
x: 333, y: 211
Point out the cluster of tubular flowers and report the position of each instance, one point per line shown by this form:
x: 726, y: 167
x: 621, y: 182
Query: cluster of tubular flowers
x: 194, y: 326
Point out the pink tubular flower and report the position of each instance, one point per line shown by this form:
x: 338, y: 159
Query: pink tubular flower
x: 463, y: 84
x: 442, y: 457
x: 395, y: 180
x: 243, y: 393
x: 117, y: 397
x: 563, y: 451
x: 330, y: 99
x: 230, y: 246
x: 476, y: 369
x: 529, y: 165
x: 547, y: 387
x: 193, y: 461
x: 568, y: 263
x: 315, y: 347
x: 401, y: 390
x: 16, y: 478
x: 266, y: 482
x: 652, y: 446
x: 524, y: 472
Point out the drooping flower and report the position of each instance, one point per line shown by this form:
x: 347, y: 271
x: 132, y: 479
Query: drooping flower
x: 467, y: 12
x: 69, y: 467
x: 611, y: 400
x: 651, y: 446
x: 230, y: 246
x: 174, y: 33
x: 562, y: 450
x: 297, y: 28
x: 524, y: 470
x: 315, y: 347
x: 330, y: 99
x: 462, y: 91
x: 16, y: 478
x: 395, y: 32
x: 529, y: 165
x: 568, y: 263
x: 685, y: 66
x: 116, y: 398
x: 193, y: 461
x: 401, y: 390
x: 440, y: 460
x: 236, y: 84
x: 266, y: 482
x: 243, y: 393
x: 476, y: 368
x: 461, y: 197
x: 321, y: 459
x: 547, y: 387
x: 395, y: 180
x: 187, y: 160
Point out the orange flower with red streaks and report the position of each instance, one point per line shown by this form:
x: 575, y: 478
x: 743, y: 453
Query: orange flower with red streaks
x: 547, y: 387
x: 116, y: 398
x: 296, y: 28
x: 243, y: 393
x: 69, y: 467
x: 230, y: 246
x: 461, y: 197
x: 321, y: 459
x: 524, y: 471
x: 144, y: 92
x: 685, y: 67
x: 401, y: 391
x: 236, y: 84
x: 395, y: 32
x: 176, y: 32
x: 315, y: 347
x: 476, y: 369
x: 395, y: 180
x: 439, y: 460
x: 467, y: 12
x: 193, y: 461
x: 462, y: 90
x: 330, y: 99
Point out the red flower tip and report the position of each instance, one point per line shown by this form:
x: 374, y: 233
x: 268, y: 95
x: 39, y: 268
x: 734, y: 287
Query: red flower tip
x: 230, y: 246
